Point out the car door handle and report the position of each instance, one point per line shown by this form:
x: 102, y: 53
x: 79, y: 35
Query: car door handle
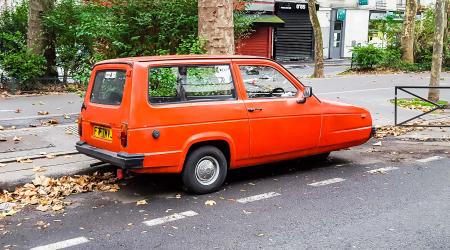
x: 254, y: 109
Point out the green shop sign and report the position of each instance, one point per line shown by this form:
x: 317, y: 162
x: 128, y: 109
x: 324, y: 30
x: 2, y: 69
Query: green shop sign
x: 363, y: 2
x: 340, y: 15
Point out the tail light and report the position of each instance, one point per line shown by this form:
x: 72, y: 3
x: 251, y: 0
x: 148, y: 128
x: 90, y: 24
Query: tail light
x: 124, y: 135
x: 80, y: 126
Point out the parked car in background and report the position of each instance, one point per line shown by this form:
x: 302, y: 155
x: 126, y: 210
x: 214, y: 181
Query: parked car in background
x: 200, y: 116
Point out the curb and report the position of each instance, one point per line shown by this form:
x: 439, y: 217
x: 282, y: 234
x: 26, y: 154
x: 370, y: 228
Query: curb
x: 11, y: 185
x: 33, y: 157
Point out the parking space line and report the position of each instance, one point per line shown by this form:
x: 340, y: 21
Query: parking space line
x: 62, y: 244
x: 257, y: 197
x: 169, y: 218
x: 326, y: 182
x: 433, y: 158
x: 381, y: 170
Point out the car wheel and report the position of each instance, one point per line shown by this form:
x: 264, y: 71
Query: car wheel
x: 205, y: 170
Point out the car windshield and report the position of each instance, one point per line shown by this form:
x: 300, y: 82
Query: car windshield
x: 108, y: 87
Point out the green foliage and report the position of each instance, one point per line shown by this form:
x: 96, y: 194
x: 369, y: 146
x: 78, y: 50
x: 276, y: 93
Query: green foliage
x: 390, y: 28
x: 367, y: 57
x: 90, y: 31
x: 191, y: 45
x: 15, y: 59
x: 162, y: 82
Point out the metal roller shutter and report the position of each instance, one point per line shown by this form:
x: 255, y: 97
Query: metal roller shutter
x: 295, y: 40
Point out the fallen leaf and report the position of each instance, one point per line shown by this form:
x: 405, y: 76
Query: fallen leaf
x: 141, y: 202
x: 53, y: 121
x: 3, y: 139
x: 23, y: 160
x: 17, y: 110
x: 66, y: 116
x: 178, y: 196
x: 42, y: 112
x: 17, y: 138
x: 41, y: 103
x: 42, y: 208
x: 210, y: 203
x: 50, y: 156
x: 57, y: 207
x: 1, y: 127
x: 39, y: 169
x: 2, y: 165
x: 42, y: 153
x: 68, y: 132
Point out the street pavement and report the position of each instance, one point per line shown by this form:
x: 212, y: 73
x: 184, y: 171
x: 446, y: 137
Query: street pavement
x: 393, y: 196
x: 363, y: 198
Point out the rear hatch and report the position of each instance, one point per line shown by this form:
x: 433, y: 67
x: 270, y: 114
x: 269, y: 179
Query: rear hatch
x: 105, y: 109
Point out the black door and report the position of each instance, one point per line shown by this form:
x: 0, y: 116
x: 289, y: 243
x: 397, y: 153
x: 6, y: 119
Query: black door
x: 295, y: 40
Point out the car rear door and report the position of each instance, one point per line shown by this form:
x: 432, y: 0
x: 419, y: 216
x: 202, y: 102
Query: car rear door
x: 278, y: 123
x: 106, y: 106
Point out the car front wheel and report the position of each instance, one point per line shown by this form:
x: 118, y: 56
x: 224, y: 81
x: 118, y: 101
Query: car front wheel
x: 205, y: 170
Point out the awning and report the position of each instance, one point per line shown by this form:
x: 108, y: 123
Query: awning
x: 267, y: 20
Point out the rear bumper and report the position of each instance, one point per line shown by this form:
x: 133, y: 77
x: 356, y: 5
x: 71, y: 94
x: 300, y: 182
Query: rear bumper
x: 121, y: 159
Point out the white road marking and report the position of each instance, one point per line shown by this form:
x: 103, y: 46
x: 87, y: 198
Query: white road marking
x: 257, y: 197
x: 353, y: 91
x: 381, y: 170
x: 326, y: 182
x: 433, y: 158
x: 169, y: 218
x: 62, y: 244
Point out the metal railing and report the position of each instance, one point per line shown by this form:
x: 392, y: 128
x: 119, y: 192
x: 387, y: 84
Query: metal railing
x: 434, y: 106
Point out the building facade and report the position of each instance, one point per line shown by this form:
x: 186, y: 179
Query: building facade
x: 344, y: 24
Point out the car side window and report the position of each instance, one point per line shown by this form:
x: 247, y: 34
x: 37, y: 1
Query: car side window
x: 265, y: 81
x: 190, y: 83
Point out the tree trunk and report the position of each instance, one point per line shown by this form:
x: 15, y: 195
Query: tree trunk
x: 215, y: 25
x: 39, y: 40
x: 407, y: 40
x: 438, y: 45
x: 318, y: 43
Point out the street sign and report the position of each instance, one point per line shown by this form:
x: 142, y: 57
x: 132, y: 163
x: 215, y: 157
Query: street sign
x: 363, y: 2
x: 340, y: 16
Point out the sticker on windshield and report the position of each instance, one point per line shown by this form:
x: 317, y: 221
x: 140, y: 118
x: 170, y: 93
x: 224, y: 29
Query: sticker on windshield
x: 110, y: 74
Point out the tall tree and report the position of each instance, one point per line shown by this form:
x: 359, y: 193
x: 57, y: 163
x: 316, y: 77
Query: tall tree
x: 215, y: 25
x: 39, y: 40
x: 318, y: 43
x: 438, y: 45
x: 407, y: 40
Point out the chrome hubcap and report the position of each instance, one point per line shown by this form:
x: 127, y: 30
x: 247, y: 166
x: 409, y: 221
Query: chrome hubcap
x: 207, y: 170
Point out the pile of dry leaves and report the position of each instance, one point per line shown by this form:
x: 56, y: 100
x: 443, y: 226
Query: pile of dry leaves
x: 48, y: 193
x: 394, y: 131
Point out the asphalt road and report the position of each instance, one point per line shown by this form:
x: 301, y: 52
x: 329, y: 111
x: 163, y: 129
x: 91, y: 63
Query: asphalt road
x: 336, y: 204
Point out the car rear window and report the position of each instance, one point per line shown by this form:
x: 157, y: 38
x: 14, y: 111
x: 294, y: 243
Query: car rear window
x: 108, y: 87
x: 190, y: 83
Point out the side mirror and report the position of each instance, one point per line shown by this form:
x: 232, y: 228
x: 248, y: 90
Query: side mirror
x: 307, y: 93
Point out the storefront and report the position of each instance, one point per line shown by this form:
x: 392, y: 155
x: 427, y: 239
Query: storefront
x: 295, y: 40
x: 260, y: 42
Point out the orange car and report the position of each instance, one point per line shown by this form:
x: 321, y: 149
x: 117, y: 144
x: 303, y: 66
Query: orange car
x: 202, y: 115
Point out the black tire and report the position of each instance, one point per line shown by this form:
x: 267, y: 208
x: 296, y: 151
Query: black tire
x: 208, y: 157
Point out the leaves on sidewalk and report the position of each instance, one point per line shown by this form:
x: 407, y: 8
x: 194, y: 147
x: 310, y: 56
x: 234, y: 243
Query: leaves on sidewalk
x: 141, y: 202
x: 17, y: 110
x: 49, y: 193
x: 43, y: 113
x: 17, y: 138
x: 23, y: 160
x: 210, y: 203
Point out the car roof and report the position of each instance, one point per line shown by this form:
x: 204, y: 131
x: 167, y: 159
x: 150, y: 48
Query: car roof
x: 175, y: 57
